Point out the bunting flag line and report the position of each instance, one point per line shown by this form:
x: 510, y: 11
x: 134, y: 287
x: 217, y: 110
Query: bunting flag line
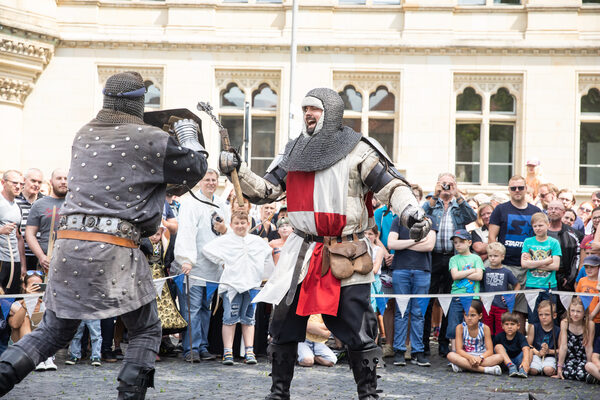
x: 402, y: 304
x: 510, y: 301
x: 531, y: 299
x: 381, y: 304
x: 466, y: 303
x: 565, y: 299
x: 30, y: 304
x: 586, y: 300
x: 423, y: 303
x: 487, y: 300
x: 158, y: 286
x: 179, y: 282
x: 210, y: 290
x: 444, y: 303
x: 5, y: 304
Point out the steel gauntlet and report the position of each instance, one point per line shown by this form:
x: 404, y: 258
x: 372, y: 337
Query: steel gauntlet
x: 186, y: 131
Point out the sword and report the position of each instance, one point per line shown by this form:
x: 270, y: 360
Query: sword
x: 226, y: 145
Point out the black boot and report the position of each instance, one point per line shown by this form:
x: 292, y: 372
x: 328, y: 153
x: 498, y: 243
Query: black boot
x: 15, y: 365
x: 283, y: 358
x: 133, y: 382
x: 364, y: 367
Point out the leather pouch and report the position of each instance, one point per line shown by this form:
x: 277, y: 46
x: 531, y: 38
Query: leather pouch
x: 346, y: 258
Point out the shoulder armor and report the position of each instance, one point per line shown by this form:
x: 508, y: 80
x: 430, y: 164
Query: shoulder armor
x: 375, y: 145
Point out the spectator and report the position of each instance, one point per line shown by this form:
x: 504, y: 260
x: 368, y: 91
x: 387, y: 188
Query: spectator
x: 547, y: 192
x: 513, y: 347
x: 95, y: 337
x: 412, y: 275
x: 541, y: 257
x: 569, y: 240
x: 589, y: 284
x: 313, y: 349
x: 200, y: 223
x: 569, y: 219
x: 173, y: 203
x: 584, y: 211
x: 246, y: 260
x: 12, y: 248
x: 586, y: 248
x: 568, y: 199
x: 284, y: 230
x: 474, y: 349
x: 576, y: 340
x: 497, y: 278
x: 510, y: 224
x: 39, y: 222
x: 595, y: 202
x: 266, y: 228
x: 480, y: 233
x: 498, y: 198
x: 593, y: 366
x: 417, y: 191
x: 376, y: 288
x: 30, y: 193
x: 533, y: 176
x: 542, y: 337
x: 450, y: 212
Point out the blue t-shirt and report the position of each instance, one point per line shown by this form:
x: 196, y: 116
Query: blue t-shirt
x: 541, y: 336
x: 409, y: 259
x: 498, y: 280
x: 461, y: 263
x: 384, y: 223
x: 515, y: 227
x: 538, y: 278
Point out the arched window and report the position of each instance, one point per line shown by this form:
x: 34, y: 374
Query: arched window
x: 502, y: 101
x: 382, y: 100
x: 589, y: 139
x: 590, y: 103
x: 352, y: 99
x: 468, y: 100
x: 232, y: 96
x: 264, y: 98
x: 152, y: 96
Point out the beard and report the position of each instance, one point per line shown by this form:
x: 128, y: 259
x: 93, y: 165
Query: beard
x: 59, y: 191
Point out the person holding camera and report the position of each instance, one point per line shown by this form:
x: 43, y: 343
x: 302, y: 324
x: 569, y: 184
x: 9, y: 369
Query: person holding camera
x: 199, y: 223
x: 449, y: 211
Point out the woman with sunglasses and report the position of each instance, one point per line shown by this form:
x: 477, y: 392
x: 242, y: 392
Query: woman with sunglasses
x: 587, y: 241
x: 584, y: 211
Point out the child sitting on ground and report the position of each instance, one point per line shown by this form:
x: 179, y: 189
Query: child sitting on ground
x: 542, y: 340
x: 513, y: 347
x: 576, y: 339
x: 475, y: 351
x: 246, y: 259
x: 592, y: 367
x: 497, y: 278
x: 313, y: 349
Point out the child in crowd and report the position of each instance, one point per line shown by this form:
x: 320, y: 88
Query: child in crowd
x: 593, y: 366
x: 246, y: 259
x: 284, y: 229
x: 313, y: 349
x: 513, y: 347
x: 541, y: 256
x: 475, y: 351
x: 467, y: 271
x: 95, y: 337
x: 376, y: 287
x: 542, y: 340
x: 589, y: 284
x: 576, y: 339
x: 497, y: 278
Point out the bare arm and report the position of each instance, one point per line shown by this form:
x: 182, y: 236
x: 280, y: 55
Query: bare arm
x: 378, y: 260
x: 171, y: 224
x: 562, y: 349
x: 21, y: 245
x: 16, y: 320
x: 489, y: 345
x: 527, y: 262
x: 457, y: 275
x: 493, y: 233
x: 318, y: 329
x: 589, y: 342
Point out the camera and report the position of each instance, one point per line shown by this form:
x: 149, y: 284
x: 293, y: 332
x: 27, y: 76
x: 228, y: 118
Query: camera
x: 446, y: 186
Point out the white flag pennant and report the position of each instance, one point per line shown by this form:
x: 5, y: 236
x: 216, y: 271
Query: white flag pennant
x: 30, y: 303
x: 158, y: 285
x: 402, y: 303
x: 532, y: 297
x: 566, y: 299
x: 487, y: 300
x: 445, y: 303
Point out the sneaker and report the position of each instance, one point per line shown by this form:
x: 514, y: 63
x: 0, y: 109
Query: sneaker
x: 118, y: 353
x: 589, y: 378
x: 41, y: 366
x: 495, y: 370
x: 388, y: 350
x: 456, y: 368
x: 109, y: 356
x: 250, y: 358
x: 522, y: 373
x: 228, y: 358
x: 206, y: 356
x: 513, y: 371
x: 50, y: 366
x: 420, y: 360
x: 95, y: 361
x: 399, y: 358
x: 192, y: 357
x: 72, y: 360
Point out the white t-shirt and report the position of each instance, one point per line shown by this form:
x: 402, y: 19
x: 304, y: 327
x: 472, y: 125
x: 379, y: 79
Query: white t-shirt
x: 9, y: 212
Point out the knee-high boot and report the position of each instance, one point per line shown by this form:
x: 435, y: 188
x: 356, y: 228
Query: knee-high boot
x: 364, y: 367
x: 283, y: 358
x: 15, y: 365
x: 133, y: 382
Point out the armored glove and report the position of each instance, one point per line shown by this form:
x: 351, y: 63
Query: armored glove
x: 229, y: 161
x: 414, y: 219
x: 186, y: 131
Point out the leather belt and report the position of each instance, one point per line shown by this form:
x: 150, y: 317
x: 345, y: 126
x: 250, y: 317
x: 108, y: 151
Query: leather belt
x: 100, y: 224
x: 96, y: 237
x: 321, y: 239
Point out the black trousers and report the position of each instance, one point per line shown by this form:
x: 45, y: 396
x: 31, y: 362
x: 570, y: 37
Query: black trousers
x: 14, y: 286
x: 355, y: 324
x: 441, y: 282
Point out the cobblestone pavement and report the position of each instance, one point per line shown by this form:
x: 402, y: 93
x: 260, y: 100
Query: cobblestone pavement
x: 176, y: 380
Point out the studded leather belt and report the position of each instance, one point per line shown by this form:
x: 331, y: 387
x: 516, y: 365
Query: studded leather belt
x: 107, y: 226
x: 96, y: 237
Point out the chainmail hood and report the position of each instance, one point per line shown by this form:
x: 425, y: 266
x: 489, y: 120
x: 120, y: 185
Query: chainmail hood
x: 329, y: 143
x: 124, y: 92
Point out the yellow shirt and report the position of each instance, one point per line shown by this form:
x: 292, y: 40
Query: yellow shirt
x: 317, y: 319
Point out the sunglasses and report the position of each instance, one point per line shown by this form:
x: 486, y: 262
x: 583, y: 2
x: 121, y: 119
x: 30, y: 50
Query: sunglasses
x: 589, y: 210
x: 31, y: 272
x: 515, y: 188
x: 16, y: 183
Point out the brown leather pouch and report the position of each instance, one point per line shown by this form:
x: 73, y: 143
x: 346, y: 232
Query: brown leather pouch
x: 346, y: 258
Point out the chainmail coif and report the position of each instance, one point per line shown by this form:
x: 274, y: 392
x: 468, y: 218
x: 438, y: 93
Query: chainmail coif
x: 324, y: 148
x: 122, y: 83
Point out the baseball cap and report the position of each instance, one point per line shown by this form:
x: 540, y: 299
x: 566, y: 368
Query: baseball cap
x: 430, y: 194
x: 533, y: 161
x: 462, y: 234
x: 591, y: 261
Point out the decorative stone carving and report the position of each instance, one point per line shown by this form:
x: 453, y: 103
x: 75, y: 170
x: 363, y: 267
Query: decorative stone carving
x: 367, y: 82
x: 489, y: 83
x: 248, y: 80
x: 14, y: 91
x: 587, y: 82
x: 154, y: 74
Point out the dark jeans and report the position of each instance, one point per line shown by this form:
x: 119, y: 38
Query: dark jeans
x: 107, y: 326
x: 14, y: 286
x: 441, y: 282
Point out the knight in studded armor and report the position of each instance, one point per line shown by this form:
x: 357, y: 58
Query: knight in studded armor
x: 117, y: 180
x: 329, y: 173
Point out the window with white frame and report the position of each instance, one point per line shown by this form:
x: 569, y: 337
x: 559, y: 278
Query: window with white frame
x: 258, y: 91
x: 370, y: 105
x: 589, y: 137
x: 486, y: 130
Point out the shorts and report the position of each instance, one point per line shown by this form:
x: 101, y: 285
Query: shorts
x: 517, y: 360
x: 538, y: 364
x: 521, y: 275
x: 239, y: 309
x: 308, y: 349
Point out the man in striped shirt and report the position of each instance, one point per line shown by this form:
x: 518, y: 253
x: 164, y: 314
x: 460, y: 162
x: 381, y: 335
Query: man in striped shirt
x: 31, y: 192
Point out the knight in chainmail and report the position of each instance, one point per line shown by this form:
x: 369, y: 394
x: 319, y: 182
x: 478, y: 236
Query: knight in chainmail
x: 117, y: 180
x: 330, y: 174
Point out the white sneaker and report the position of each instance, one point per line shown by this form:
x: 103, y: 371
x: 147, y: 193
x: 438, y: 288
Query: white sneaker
x: 50, y: 366
x: 41, y: 366
x: 495, y: 370
x: 456, y: 368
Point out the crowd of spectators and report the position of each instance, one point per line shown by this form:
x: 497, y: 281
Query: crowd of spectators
x: 534, y: 237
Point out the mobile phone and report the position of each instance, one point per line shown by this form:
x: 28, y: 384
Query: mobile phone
x: 42, y: 286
